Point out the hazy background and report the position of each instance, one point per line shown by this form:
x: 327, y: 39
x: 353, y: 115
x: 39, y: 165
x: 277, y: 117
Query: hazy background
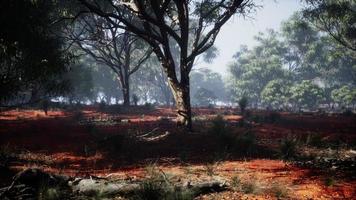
x: 239, y: 31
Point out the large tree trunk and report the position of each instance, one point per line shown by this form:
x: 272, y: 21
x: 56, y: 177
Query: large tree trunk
x: 181, y: 93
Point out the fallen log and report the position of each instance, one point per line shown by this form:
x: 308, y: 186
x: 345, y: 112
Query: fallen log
x: 28, y: 183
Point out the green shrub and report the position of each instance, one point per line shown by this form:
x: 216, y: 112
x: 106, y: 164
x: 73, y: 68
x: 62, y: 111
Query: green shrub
x: 246, y: 142
x: 5, y: 155
x: 288, y: 147
x: 235, y: 182
x: 250, y: 187
x: 243, y: 104
x: 273, y: 117
x: 280, y: 191
x: 329, y: 181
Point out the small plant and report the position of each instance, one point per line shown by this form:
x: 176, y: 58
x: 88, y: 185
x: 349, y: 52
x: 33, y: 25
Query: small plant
x: 280, y: 191
x: 219, y: 125
x: 348, y: 113
x: 250, y: 187
x: 235, y: 182
x: 5, y: 155
x: 157, y: 186
x: 78, y: 115
x: 288, y: 147
x: 315, y: 140
x: 246, y: 142
x: 135, y: 99
x: 329, y: 181
x: 210, y: 169
x: 273, y: 117
x: 243, y: 104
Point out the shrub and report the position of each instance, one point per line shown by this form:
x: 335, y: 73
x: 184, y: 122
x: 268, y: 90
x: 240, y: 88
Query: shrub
x: 235, y: 182
x: 329, y: 181
x: 210, y: 168
x: 250, y: 187
x: 135, y: 99
x: 288, y: 147
x: 246, y: 142
x: 348, y: 113
x: 243, y: 104
x: 280, y: 191
x: 273, y: 117
x: 5, y: 155
x: 157, y: 186
x: 219, y: 126
x: 78, y: 115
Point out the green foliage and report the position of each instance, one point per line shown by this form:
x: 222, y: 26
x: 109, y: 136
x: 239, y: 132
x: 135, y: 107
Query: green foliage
x: 276, y: 93
x: 205, y: 97
x: 329, y: 181
x: 207, y: 87
x: 288, y: 147
x: 279, y: 190
x: 5, y: 155
x: 235, y: 182
x: 306, y: 94
x: 250, y: 187
x: 344, y: 95
x: 31, y: 54
x: 245, y: 142
x: 243, y: 104
x: 135, y: 99
x: 335, y: 18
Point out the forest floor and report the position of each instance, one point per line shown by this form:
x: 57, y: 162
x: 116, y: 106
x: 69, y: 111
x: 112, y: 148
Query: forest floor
x: 269, y: 156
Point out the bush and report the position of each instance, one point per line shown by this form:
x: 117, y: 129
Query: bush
x: 288, y: 147
x: 273, y: 117
x: 250, y: 187
x: 5, y: 156
x: 246, y: 142
x: 243, y: 104
x: 280, y: 191
x: 348, y: 113
x: 157, y: 186
x: 235, y: 182
x: 329, y: 181
x: 219, y: 126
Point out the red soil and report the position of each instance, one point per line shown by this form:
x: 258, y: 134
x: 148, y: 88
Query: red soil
x: 58, y: 144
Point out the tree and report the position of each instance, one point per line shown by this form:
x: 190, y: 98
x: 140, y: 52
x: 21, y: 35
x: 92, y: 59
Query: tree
x: 344, y: 96
x: 82, y: 88
x: 335, y: 17
x: 253, y: 69
x: 161, y: 22
x: 32, y: 56
x: 205, y: 97
x: 276, y: 93
x: 207, y: 79
x: 306, y: 94
x: 110, y: 46
x: 151, y: 83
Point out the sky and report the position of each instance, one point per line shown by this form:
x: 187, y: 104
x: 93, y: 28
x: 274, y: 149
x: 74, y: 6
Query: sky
x: 239, y: 31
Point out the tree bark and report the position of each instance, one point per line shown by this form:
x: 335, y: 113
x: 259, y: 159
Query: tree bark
x: 126, y: 94
x: 181, y: 94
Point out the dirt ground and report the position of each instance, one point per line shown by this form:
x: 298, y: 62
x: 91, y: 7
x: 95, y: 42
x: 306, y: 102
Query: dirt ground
x: 120, y: 145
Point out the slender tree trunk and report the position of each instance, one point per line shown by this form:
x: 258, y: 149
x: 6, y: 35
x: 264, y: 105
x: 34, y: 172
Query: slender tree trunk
x: 126, y: 94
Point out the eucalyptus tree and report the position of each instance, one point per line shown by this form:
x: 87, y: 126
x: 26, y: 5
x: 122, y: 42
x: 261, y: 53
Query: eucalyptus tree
x: 335, y: 17
x: 110, y: 46
x: 152, y: 83
x: 253, y: 69
x: 161, y: 22
x: 32, y: 56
